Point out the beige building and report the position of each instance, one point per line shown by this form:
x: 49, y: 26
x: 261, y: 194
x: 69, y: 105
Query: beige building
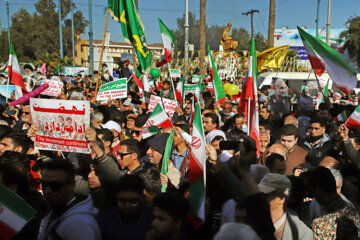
x: 113, y: 52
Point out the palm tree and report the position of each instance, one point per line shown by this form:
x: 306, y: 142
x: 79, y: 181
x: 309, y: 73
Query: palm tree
x: 271, y: 24
x: 202, y: 35
x: 352, y: 38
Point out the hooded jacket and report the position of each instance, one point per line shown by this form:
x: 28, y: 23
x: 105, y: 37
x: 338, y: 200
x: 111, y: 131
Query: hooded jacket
x: 77, y: 222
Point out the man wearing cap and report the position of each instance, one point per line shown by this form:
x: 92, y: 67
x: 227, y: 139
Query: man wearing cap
x: 287, y: 224
x: 155, y: 152
x: 115, y: 128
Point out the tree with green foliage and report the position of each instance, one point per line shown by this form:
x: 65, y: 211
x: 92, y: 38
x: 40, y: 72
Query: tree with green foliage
x: 35, y: 37
x: 352, y: 38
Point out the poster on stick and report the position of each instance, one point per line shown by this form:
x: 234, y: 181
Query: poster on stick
x: 54, y: 88
x: 168, y: 104
x: 61, y: 124
x: 196, y: 78
x: 114, y: 90
x: 175, y: 73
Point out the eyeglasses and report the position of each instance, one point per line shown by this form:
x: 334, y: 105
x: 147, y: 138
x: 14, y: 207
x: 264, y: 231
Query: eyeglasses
x: 27, y: 113
x: 188, y: 108
x: 55, y: 186
x: 122, y: 155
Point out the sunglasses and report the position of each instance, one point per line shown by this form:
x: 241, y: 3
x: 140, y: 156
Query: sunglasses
x: 55, y: 186
x: 27, y: 113
x: 121, y: 155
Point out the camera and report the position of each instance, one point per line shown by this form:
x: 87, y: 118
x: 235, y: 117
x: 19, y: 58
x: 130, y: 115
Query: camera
x: 236, y: 145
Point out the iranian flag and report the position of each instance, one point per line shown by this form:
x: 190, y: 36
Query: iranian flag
x: 217, y: 85
x: 323, y: 58
x: 157, y: 120
x: 15, y: 74
x: 166, y: 157
x: 250, y: 98
x: 169, y: 44
x: 179, y: 91
x: 14, y: 213
x: 136, y: 75
x: 342, y: 117
x: 197, y: 171
x: 354, y: 119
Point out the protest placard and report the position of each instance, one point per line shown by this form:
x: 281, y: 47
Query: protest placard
x: 61, y: 124
x: 196, y: 78
x: 76, y: 70
x: 114, y: 90
x: 168, y: 104
x: 192, y: 88
x: 175, y: 73
x: 54, y: 88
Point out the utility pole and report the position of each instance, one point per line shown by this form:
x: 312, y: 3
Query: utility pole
x: 8, y: 19
x: 251, y: 13
x: 202, y: 36
x: 317, y: 18
x: 186, y: 26
x: 271, y: 24
x: 328, y: 23
x: 91, y: 46
x: 72, y: 34
x: 60, y: 30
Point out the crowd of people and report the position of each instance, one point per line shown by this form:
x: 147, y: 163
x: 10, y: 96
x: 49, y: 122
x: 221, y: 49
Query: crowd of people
x: 302, y: 182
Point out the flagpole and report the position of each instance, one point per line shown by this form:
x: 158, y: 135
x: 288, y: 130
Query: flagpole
x: 172, y: 84
x: 7, y: 88
x: 248, y: 122
x: 102, y: 51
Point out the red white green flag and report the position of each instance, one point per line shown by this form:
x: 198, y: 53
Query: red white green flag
x: 14, y: 213
x: 250, y: 98
x: 169, y: 44
x: 157, y: 120
x: 217, y: 85
x: 354, y: 119
x: 323, y: 58
x: 342, y: 117
x: 166, y: 157
x: 15, y: 74
x: 197, y: 170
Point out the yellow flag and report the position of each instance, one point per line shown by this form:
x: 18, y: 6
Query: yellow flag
x: 272, y: 57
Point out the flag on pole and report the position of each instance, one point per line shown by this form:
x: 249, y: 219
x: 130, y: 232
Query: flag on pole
x: 43, y: 69
x: 14, y: 213
x: 325, y: 92
x: 217, y: 85
x: 322, y: 57
x: 249, y: 103
x: 166, y: 157
x: 14, y: 74
x: 126, y: 12
x: 272, y: 57
x: 169, y: 44
x: 179, y: 91
x: 354, y: 120
x: 197, y: 171
x: 342, y: 117
x: 157, y: 120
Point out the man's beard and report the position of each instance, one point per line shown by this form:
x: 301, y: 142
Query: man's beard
x: 315, y: 138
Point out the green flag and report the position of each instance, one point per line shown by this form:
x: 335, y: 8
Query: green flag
x: 125, y: 12
x: 325, y: 92
x: 166, y: 157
